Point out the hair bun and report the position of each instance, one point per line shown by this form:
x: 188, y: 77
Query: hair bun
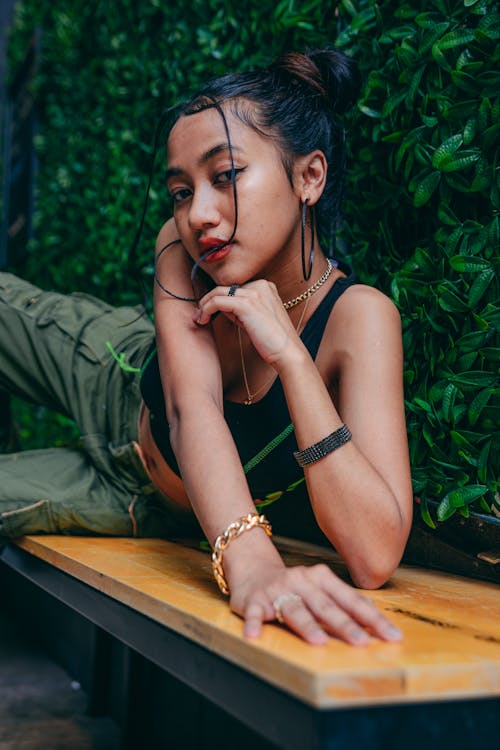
x: 329, y: 73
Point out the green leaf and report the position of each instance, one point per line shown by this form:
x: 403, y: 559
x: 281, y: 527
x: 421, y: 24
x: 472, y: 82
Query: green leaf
x: 465, y: 82
x: 470, y: 130
x: 369, y: 111
x: 446, y: 150
x: 431, y: 34
x: 483, y: 176
x: 490, y: 26
x: 456, y: 39
x: 460, y: 440
x: 473, y: 340
x: 453, y: 240
x: 392, y: 102
x: 464, y: 59
x: 426, y: 188
x: 462, y: 162
x: 480, y: 285
x: 428, y: 436
x: 494, y: 232
x: 450, y: 301
x: 449, y: 395
x: 463, y: 263
x: 483, y: 505
x: 445, y: 510
x: 478, y: 403
x: 465, y: 495
x: 476, y: 378
x: 440, y: 58
x: 424, y: 512
x: 446, y: 464
x: 430, y: 20
x: 424, y: 260
x: 482, y: 464
x: 423, y: 405
x: 446, y: 215
x: 431, y: 122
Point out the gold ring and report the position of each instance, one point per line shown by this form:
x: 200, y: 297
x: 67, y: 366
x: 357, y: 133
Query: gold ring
x: 282, y: 599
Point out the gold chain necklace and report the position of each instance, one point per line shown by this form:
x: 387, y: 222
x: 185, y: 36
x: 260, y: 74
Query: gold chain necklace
x: 312, y: 289
x: 250, y: 396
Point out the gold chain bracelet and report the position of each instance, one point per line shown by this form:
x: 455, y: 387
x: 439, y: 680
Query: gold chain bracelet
x: 234, y: 530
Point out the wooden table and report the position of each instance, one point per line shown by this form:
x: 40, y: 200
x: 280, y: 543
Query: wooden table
x: 440, y: 685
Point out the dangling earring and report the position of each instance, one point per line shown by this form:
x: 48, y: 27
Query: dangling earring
x: 305, y: 273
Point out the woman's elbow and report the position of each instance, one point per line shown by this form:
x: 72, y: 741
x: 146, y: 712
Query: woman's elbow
x: 371, y: 575
x: 372, y: 560
x: 373, y: 567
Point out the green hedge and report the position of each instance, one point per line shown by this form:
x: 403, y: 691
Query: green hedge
x: 424, y: 218
x: 421, y: 215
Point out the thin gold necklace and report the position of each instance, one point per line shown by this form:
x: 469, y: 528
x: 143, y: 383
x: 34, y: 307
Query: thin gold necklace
x: 312, y: 289
x: 250, y: 396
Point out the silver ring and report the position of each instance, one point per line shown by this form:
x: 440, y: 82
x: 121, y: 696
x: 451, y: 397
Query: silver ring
x: 232, y: 290
x: 282, y: 599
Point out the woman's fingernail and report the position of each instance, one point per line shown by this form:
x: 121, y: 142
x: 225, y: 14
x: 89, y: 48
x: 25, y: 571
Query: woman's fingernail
x: 319, y: 637
x: 251, y: 631
x: 359, y: 637
x: 394, y: 633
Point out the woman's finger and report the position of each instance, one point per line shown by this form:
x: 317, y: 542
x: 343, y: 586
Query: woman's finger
x: 259, y: 294
x: 295, y: 614
x: 224, y: 303
x: 336, y: 621
x: 359, y: 607
x: 254, y: 617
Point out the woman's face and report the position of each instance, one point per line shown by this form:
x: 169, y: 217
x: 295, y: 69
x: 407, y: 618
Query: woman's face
x: 199, y: 181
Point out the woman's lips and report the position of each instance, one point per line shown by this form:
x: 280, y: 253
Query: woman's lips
x: 218, y: 253
x: 207, y: 243
x: 213, y: 249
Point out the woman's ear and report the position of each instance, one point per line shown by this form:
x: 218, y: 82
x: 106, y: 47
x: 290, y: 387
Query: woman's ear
x: 310, y: 176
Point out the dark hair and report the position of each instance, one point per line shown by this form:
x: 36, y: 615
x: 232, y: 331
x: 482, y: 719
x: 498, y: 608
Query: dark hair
x: 297, y: 101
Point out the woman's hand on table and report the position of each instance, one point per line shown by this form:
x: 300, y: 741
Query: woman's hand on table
x: 314, y: 603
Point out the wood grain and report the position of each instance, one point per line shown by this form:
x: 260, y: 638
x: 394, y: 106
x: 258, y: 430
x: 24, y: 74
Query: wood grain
x: 451, y: 625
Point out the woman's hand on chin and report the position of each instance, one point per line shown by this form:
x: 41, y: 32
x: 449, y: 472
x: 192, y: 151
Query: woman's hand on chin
x: 313, y: 602
x: 258, y: 309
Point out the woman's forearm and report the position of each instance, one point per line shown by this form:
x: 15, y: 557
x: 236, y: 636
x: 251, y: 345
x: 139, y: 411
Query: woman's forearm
x: 216, y: 485
x: 353, y: 504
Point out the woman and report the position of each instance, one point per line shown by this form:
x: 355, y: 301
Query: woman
x: 271, y: 366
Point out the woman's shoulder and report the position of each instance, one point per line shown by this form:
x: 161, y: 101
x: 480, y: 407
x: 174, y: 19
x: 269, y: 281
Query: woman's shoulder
x: 363, y: 325
x: 172, y: 265
x: 365, y: 302
x: 168, y: 233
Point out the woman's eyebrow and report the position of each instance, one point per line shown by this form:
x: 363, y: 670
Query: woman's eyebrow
x: 217, y: 150
x: 174, y: 171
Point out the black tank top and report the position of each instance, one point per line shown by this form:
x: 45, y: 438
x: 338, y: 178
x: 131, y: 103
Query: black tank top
x: 262, y: 431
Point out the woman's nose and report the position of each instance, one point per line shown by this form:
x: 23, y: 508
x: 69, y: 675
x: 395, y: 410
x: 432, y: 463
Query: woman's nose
x: 203, y: 211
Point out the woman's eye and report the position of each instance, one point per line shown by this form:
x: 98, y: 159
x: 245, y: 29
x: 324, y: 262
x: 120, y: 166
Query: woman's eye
x: 222, y: 178
x: 180, y: 195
